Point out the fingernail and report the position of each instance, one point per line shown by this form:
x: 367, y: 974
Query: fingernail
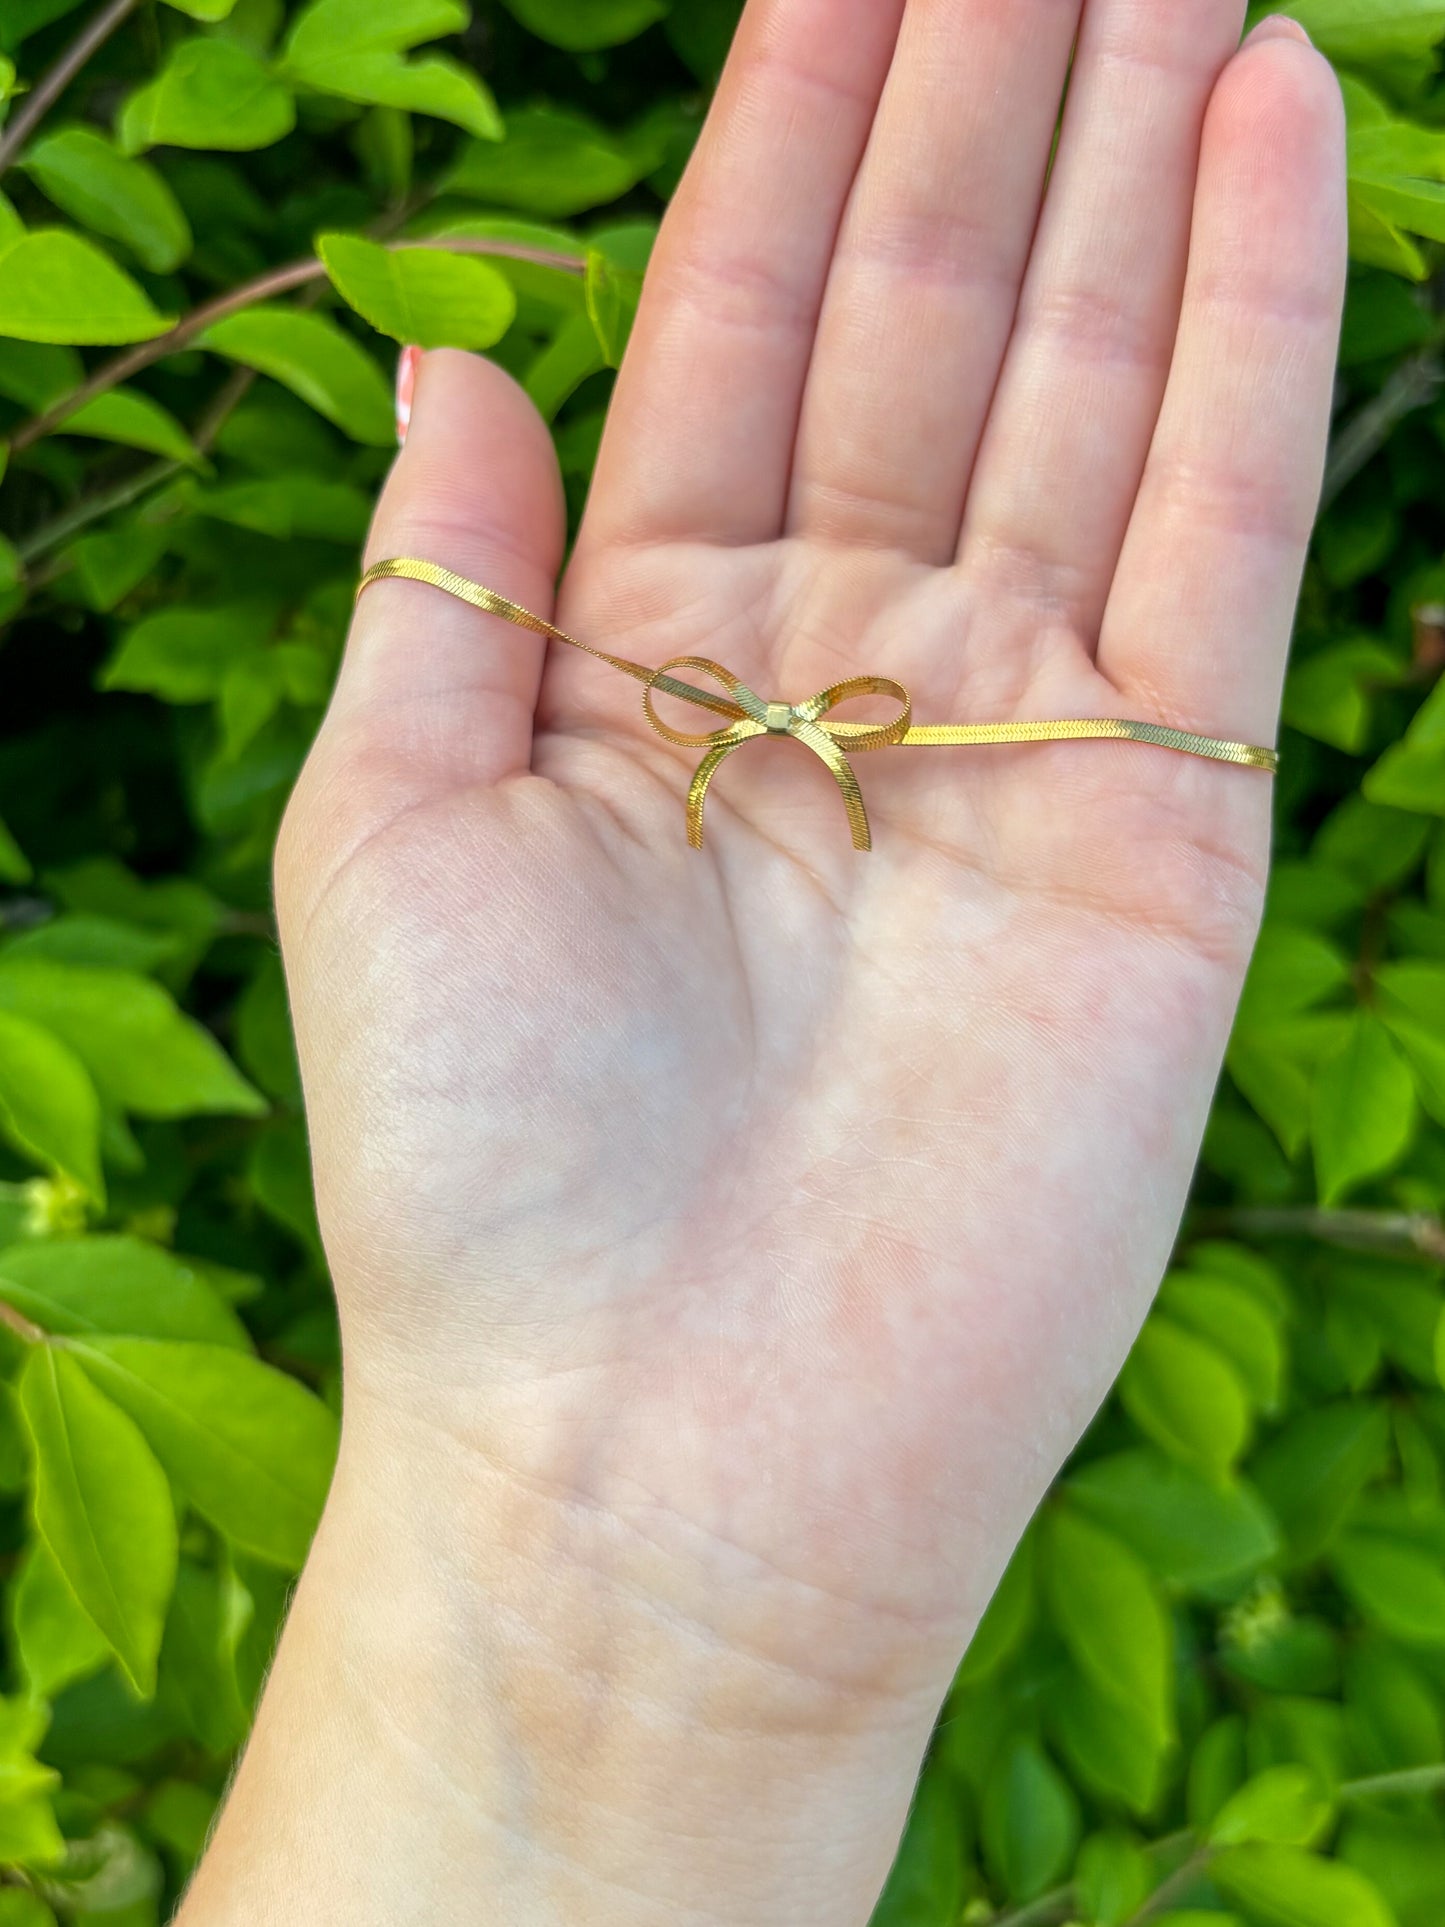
x: 1279, y: 26
x: 406, y: 366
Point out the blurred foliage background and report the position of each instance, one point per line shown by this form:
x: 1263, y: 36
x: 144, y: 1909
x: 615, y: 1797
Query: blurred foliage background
x: 1211, y: 1690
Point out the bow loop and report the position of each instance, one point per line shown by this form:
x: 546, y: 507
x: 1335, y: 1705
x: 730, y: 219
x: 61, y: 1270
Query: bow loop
x: 754, y: 717
x: 879, y: 736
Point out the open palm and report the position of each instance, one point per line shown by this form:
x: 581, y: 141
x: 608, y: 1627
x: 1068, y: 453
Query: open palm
x: 792, y: 1208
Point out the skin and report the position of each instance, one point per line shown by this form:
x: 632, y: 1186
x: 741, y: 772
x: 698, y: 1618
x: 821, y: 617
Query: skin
x: 731, y: 1246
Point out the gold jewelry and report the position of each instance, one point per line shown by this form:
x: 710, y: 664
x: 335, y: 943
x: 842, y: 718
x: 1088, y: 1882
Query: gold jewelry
x: 749, y: 716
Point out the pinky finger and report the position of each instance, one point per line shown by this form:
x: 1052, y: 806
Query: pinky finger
x: 1199, y: 620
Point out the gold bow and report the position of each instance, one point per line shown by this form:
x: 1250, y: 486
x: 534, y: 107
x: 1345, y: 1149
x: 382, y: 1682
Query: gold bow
x: 802, y: 721
x: 749, y: 716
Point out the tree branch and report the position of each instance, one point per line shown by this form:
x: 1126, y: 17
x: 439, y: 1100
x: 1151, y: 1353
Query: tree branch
x: 275, y: 281
x: 43, y: 96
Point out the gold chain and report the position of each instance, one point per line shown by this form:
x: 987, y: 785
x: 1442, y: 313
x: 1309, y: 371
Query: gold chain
x: 749, y: 715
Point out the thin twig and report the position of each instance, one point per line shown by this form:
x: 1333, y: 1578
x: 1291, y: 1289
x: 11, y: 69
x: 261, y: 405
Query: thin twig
x: 1417, y: 1779
x: 18, y: 1323
x: 46, y: 91
x: 1417, y: 1233
x: 1413, y: 385
x: 1056, y: 1906
x: 94, y: 508
x: 1172, y: 1889
x: 275, y: 281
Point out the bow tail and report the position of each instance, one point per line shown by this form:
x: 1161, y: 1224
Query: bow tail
x: 823, y: 745
x: 706, y: 770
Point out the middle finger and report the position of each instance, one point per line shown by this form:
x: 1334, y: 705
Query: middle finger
x: 925, y: 282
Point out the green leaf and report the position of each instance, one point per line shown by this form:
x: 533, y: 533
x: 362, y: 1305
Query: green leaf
x: 1410, y: 999
x: 1009, y: 1616
x: 1216, y: 1770
x: 1284, y: 1805
x: 1286, y: 1887
x: 198, y: 1657
x: 1030, y: 1820
x: 112, y: 194
x: 1274, y: 1065
x: 1232, y: 1319
x: 1112, y: 1746
x: 356, y: 49
x: 102, y: 1507
x: 1364, y: 1110
x: 21, y: 1908
x: 115, y: 1285
x: 210, y: 10
x: 49, y: 1109
x: 1411, y: 776
x: 256, y: 688
x: 57, y: 1640
x: 311, y: 356
x: 327, y: 29
x: 144, y: 1054
x: 287, y: 506
x: 21, y: 18
x: 544, y: 294
x: 14, y: 866
x: 1378, y: 847
x: 559, y: 370
x: 1270, y: 1648
x: 184, y: 654
x: 1181, y: 1392
x: 553, y: 162
x: 1365, y: 31
x: 613, y: 296
x: 421, y: 295
x: 1331, y: 695
x: 436, y: 86
x: 1110, y: 1616
x: 249, y: 1447
x: 58, y: 287
x: 1382, y: 320
x: 110, y: 563
x: 1395, y: 1717
x: 1313, y: 1471
x: 1396, y: 1586
x: 701, y: 34
x: 1113, y: 1877
x: 210, y: 94
x: 1190, y: 1531
x: 582, y: 26
x: 29, y: 1836
x: 1291, y: 970
x: 127, y: 416
x: 926, y: 1886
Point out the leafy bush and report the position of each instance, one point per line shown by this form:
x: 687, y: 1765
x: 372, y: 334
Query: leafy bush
x: 1212, y: 1686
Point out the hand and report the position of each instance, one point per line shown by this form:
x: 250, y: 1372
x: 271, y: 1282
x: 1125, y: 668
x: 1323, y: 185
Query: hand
x: 730, y: 1246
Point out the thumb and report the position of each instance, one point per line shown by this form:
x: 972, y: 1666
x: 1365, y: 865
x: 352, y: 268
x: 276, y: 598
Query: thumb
x: 434, y: 694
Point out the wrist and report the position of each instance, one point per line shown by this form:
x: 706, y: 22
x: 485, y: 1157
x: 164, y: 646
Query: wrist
x: 573, y: 1711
